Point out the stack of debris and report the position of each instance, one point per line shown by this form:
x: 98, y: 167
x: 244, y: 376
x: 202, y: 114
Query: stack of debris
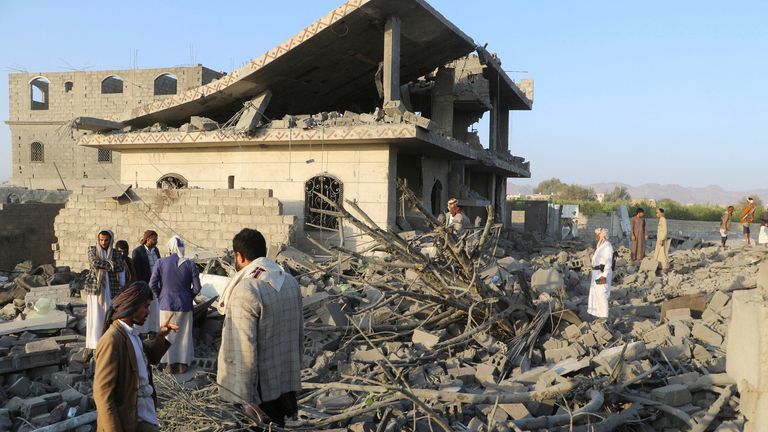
x: 427, y: 331
x: 430, y: 331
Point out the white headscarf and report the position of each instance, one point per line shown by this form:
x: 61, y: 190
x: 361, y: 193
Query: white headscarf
x: 262, y: 269
x: 176, y: 246
x: 602, y: 235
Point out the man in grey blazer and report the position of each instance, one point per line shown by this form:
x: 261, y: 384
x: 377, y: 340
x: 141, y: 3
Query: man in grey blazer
x: 262, y: 338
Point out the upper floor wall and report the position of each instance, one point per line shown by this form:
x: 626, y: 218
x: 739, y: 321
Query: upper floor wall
x: 61, y: 96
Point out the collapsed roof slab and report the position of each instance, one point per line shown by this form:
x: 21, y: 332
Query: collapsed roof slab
x: 305, y: 73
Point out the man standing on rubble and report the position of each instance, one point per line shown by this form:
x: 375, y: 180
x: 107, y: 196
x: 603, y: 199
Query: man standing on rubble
x: 175, y: 282
x: 103, y: 281
x: 456, y: 220
x: 602, y: 276
x: 122, y: 384
x: 662, y: 241
x: 259, y: 363
x: 725, y: 226
x: 145, y: 256
x: 746, y: 218
x: 639, y: 235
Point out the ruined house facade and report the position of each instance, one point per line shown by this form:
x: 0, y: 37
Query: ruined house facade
x: 42, y: 105
x: 375, y: 91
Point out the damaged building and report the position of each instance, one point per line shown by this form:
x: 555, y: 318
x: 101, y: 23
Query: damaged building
x: 373, y: 92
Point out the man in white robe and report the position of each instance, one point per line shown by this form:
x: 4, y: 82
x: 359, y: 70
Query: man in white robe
x: 602, y: 273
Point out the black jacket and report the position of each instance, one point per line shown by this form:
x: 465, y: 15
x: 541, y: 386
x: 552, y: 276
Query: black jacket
x: 141, y: 263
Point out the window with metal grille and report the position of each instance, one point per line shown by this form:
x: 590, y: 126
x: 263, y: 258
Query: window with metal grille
x: 37, y: 152
x: 318, y: 213
x: 105, y: 155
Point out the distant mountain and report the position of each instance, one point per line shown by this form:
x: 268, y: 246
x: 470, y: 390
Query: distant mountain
x: 682, y: 194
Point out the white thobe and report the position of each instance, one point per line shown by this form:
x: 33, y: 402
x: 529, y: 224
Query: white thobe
x: 96, y: 309
x: 599, y: 294
x: 145, y: 405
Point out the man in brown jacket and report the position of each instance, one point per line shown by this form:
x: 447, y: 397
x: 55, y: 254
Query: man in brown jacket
x: 122, y: 385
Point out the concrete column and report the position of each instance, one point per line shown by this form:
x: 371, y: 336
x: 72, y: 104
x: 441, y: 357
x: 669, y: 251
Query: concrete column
x: 493, y: 126
x: 442, y: 100
x: 392, y: 60
x: 503, y: 142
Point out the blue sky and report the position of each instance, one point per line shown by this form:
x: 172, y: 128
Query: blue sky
x: 636, y: 92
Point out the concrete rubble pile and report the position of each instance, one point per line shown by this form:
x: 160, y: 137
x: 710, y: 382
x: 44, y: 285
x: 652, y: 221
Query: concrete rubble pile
x: 429, y: 331
x: 479, y: 332
x: 45, y: 370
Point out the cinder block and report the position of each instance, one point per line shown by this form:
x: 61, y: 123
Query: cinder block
x: 47, y: 344
x: 674, y: 395
x: 707, y: 335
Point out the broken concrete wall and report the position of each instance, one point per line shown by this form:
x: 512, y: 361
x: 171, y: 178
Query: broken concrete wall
x: 747, y: 359
x: 208, y: 218
x: 26, y: 233
x: 366, y: 172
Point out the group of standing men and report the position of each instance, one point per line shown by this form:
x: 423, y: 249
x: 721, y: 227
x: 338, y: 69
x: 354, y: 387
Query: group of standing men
x: 639, y: 235
x: 746, y: 217
x: 259, y: 364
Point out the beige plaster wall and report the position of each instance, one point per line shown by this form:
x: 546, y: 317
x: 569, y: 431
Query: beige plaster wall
x: 364, y: 170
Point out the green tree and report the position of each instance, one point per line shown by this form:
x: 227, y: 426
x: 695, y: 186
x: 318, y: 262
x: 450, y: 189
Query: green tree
x: 578, y: 193
x: 618, y: 194
x: 563, y: 191
x: 552, y: 186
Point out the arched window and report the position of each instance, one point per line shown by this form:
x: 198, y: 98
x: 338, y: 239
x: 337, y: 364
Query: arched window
x: 172, y: 181
x: 38, y: 93
x: 37, y: 152
x: 166, y: 84
x: 112, y: 85
x: 437, y: 198
x: 315, y: 208
x: 68, y: 86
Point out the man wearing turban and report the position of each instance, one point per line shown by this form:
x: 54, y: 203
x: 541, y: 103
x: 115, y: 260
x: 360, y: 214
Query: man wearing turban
x: 122, y: 385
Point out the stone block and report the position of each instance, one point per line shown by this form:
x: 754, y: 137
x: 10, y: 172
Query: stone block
x: 658, y: 336
x: 485, y: 373
x: 707, y: 335
x: 331, y: 314
x: 466, y: 374
x: 65, y: 380
x: 686, y: 378
x: 32, y: 407
x: 553, y: 343
x: 674, y: 394
x: 424, y: 339
x: 648, y: 265
x: 516, y: 411
x: 718, y: 301
x: 572, y: 332
x: 20, y: 387
x: 203, y: 123
x: 547, y: 280
x: 676, y: 352
x: 679, y: 314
